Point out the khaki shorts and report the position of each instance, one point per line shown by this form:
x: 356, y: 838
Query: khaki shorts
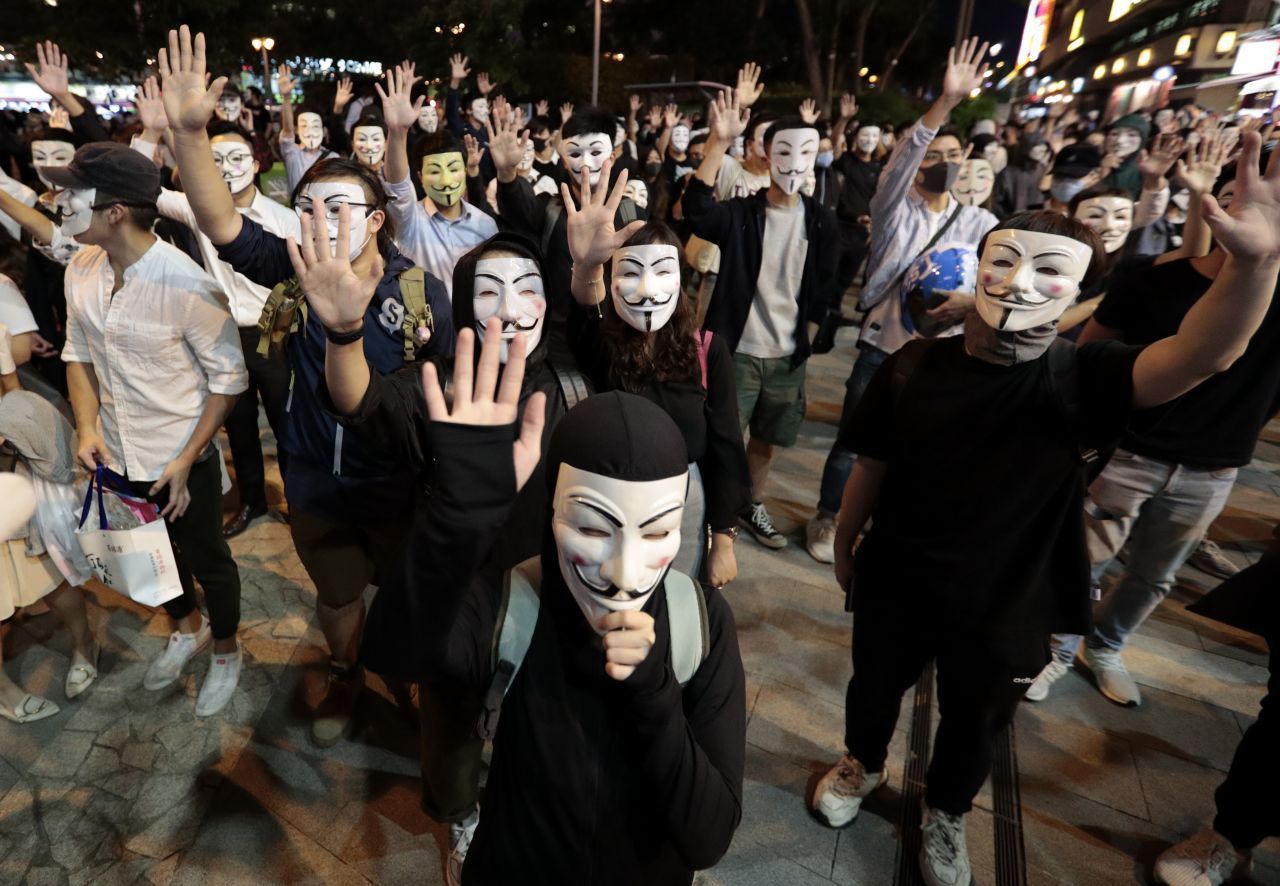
x: 770, y: 398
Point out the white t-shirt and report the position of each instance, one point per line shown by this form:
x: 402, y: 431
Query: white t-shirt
x: 14, y: 311
x: 770, y: 331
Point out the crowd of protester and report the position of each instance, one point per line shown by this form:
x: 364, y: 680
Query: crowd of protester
x: 512, y: 358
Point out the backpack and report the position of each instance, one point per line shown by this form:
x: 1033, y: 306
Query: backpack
x: 521, y: 600
x: 285, y: 312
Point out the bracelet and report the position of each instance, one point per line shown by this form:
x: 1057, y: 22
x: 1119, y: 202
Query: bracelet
x: 344, y: 338
x: 600, y: 279
x: 732, y: 532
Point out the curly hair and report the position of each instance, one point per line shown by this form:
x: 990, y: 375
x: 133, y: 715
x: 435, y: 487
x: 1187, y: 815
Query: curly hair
x: 639, y: 359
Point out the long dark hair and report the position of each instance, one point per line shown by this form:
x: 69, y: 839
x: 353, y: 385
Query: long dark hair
x: 638, y: 359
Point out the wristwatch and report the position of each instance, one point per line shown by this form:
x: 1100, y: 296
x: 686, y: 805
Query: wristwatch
x: 732, y: 532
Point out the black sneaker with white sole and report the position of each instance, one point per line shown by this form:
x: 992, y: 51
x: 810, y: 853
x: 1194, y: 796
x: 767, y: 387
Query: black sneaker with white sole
x: 758, y: 522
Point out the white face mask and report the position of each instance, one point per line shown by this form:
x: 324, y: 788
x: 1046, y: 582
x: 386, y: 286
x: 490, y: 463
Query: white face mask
x: 999, y: 158
x: 1163, y: 116
x: 229, y: 107
x: 867, y: 139
x: 234, y: 160
x: 310, y: 130
x: 512, y: 290
x: 428, y: 119
x: 1123, y: 141
x: 480, y: 109
x: 738, y: 148
x: 615, y: 539
x: 590, y: 149
x: 646, y: 285
x: 757, y: 142
x: 886, y: 139
x: 1111, y: 217
x: 1027, y: 279
x: 370, y: 144
x: 75, y: 210
x: 791, y: 157
x: 324, y: 200
x: 50, y: 153
x: 638, y: 191
x: 680, y: 138
x: 526, y: 162
x: 976, y: 181
x: 619, y: 134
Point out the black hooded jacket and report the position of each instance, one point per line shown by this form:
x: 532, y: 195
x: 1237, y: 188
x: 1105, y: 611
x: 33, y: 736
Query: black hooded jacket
x: 593, y: 780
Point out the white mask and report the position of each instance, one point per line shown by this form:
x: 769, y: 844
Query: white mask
x: 526, y: 162
x: 646, y: 284
x: 370, y: 144
x: 1111, y: 217
x: 512, y: 290
x: 638, y: 191
x: 791, y: 157
x: 1027, y: 279
x: 75, y: 210
x: 886, y: 139
x: 310, y: 130
x: 680, y: 138
x: 229, y: 106
x: 589, y: 149
x: 480, y: 109
x: 976, y: 181
x: 615, y: 539
x: 757, y: 141
x: 619, y: 134
x: 331, y: 195
x: 50, y: 153
x: 1123, y: 141
x: 1163, y: 116
x: 428, y: 118
x: 867, y: 139
x: 234, y: 160
x: 738, y: 147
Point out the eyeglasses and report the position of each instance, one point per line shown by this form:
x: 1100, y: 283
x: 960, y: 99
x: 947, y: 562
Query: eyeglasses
x: 331, y: 210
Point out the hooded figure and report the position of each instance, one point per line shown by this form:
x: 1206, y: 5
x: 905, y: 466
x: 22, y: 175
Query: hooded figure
x: 1018, y: 184
x: 594, y: 779
x: 1125, y: 139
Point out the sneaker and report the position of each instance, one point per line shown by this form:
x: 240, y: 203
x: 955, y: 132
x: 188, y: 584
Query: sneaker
x: 838, y: 796
x: 1111, y: 675
x: 1208, y: 557
x: 169, y: 664
x: 1052, y: 673
x: 944, y: 857
x: 1206, y: 859
x: 760, y: 524
x: 460, y: 835
x: 333, y: 716
x: 219, y: 683
x: 820, y: 538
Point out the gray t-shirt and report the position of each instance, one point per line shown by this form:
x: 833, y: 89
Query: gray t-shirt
x: 771, y: 324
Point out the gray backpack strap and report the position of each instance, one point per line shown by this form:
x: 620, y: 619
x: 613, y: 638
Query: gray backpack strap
x: 687, y: 617
x: 553, y: 210
x: 573, y: 385
x: 519, y: 615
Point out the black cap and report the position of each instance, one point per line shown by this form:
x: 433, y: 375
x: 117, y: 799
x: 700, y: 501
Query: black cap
x: 116, y: 170
x: 1077, y: 161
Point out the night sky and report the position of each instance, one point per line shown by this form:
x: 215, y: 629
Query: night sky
x: 994, y: 20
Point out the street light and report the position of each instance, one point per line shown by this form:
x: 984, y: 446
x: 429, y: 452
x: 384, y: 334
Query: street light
x: 265, y: 44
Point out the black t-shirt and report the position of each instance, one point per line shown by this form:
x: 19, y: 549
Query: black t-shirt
x: 981, y: 514
x: 1216, y: 424
x: 858, y: 185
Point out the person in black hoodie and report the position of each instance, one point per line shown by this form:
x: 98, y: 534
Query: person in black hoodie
x: 605, y: 769
x: 643, y: 341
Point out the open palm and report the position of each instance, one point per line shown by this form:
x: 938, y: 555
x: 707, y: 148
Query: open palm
x: 334, y: 292
x: 592, y: 236
x: 728, y: 119
x: 1250, y: 229
x: 188, y: 103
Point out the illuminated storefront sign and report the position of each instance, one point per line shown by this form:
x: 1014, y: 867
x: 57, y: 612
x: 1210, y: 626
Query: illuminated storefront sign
x: 1035, y: 33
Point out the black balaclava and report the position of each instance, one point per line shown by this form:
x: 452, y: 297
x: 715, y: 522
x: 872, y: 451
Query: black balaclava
x: 464, y: 277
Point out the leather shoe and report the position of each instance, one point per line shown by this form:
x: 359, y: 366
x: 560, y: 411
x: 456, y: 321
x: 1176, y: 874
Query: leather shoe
x: 240, y: 522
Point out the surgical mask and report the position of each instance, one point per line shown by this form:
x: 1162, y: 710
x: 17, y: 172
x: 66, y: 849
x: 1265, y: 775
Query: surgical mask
x: 331, y: 195
x: 975, y: 183
x: 646, y: 285
x: 680, y: 138
x: 512, y: 290
x: 638, y: 191
x: 791, y: 156
x: 825, y: 159
x: 1064, y: 190
x: 1028, y: 279
x: 590, y: 149
x: 310, y: 130
x: 1111, y: 217
x: 444, y: 177
x: 940, y: 177
x: 229, y: 107
x: 370, y: 144
x: 234, y: 160
x: 868, y: 139
x: 75, y: 210
x: 651, y: 170
x: 615, y: 539
x: 480, y: 109
x: 428, y: 118
x: 50, y: 153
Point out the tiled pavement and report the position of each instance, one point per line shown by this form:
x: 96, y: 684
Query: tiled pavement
x: 127, y: 786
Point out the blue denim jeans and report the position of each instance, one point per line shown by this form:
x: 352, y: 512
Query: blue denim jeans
x: 835, y: 473
x: 1163, y: 510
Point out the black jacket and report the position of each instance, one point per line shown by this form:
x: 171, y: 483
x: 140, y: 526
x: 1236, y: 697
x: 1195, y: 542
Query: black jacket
x: 737, y: 227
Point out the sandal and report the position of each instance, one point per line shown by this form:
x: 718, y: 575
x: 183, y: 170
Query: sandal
x: 81, y: 677
x: 30, y: 709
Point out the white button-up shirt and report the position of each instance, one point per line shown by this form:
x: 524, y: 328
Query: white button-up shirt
x: 159, y: 347
x: 433, y: 241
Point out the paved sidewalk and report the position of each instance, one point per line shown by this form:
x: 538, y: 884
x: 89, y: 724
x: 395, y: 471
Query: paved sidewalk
x: 126, y: 786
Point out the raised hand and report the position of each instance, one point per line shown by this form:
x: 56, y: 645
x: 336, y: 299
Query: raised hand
x: 964, y: 70
x: 472, y: 146
x: 848, y: 106
x: 284, y: 82
x: 484, y: 84
x: 1203, y: 164
x: 655, y: 117
x: 727, y: 119
x: 635, y: 104
x: 506, y: 145
x: 566, y: 111
x: 480, y: 400
x: 628, y: 639
x: 337, y: 296
x: 1250, y: 228
x: 51, y: 76
x: 343, y: 94
x: 399, y: 109
x: 542, y: 108
x: 59, y: 117
x: 459, y: 67
x: 151, y: 106
x: 749, y: 86
x: 809, y: 111
x: 1154, y: 164
x: 500, y: 109
x: 188, y: 103
x: 670, y: 116
x: 592, y: 236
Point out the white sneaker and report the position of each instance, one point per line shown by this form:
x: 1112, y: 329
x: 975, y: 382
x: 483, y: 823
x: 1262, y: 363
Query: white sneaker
x: 839, y: 795
x: 944, y: 857
x: 169, y: 664
x: 1206, y: 859
x: 1052, y: 673
x: 459, y: 842
x: 219, y: 683
x: 820, y: 538
x: 1113, y: 678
